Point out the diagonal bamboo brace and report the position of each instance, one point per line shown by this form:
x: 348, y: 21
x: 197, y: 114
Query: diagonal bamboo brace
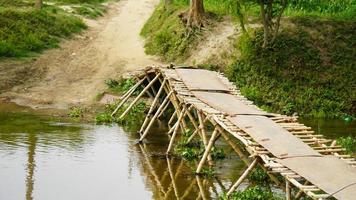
x: 140, y: 95
x: 148, y: 116
x: 155, y: 116
x: 181, y: 115
x: 243, y: 176
x: 127, y: 96
x: 207, y: 150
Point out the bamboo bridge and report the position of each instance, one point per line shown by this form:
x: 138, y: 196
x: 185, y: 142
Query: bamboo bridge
x: 308, y: 163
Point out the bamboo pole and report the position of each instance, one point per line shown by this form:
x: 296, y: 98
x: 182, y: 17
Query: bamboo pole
x: 195, y: 132
x: 201, y: 188
x: 172, y: 117
x: 172, y: 178
x: 163, y: 110
x: 155, y: 116
x: 207, y: 150
x: 152, y: 88
x: 203, y: 135
x: 300, y: 192
x: 138, y: 83
x: 288, y: 190
x: 148, y: 116
x: 242, y: 177
x: 127, y: 96
x: 140, y: 95
x: 175, y: 131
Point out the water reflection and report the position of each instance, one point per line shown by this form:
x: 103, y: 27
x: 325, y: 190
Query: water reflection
x: 46, y: 158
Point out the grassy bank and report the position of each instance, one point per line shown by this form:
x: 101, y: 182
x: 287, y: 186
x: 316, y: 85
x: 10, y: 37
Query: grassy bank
x: 309, y: 70
x: 25, y: 30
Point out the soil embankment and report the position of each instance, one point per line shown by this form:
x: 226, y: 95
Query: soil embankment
x: 75, y: 73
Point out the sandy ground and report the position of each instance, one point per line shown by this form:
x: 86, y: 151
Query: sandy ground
x: 75, y: 73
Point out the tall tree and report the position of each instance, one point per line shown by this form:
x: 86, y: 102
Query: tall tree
x: 271, y: 13
x: 196, y: 13
x: 38, y: 4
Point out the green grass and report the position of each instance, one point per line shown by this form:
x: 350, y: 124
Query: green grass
x: 349, y: 143
x: 309, y: 69
x: 166, y: 35
x: 252, y: 193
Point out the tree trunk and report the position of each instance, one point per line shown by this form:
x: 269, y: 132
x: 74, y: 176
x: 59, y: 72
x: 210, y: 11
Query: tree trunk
x: 265, y: 24
x: 196, y: 13
x: 38, y: 4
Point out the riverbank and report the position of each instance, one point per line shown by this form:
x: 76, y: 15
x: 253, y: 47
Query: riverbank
x: 75, y: 73
x: 307, y: 71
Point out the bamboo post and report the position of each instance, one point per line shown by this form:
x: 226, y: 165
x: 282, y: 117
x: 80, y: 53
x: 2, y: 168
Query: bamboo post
x: 195, y: 132
x: 207, y: 150
x: 288, y: 190
x: 172, y: 117
x: 148, y: 116
x: 140, y: 95
x: 300, y: 193
x: 175, y: 131
x: 242, y: 177
x: 138, y: 83
x: 203, y: 134
x: 164, y: 109
x: 127, y: 96
x: 152, y: 88
x: 155, y: 116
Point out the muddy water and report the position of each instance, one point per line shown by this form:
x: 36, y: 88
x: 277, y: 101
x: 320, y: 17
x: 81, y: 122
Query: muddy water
x: 43, y: 157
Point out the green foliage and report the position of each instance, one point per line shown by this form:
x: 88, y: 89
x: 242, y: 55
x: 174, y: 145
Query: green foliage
x: 27, y: 30
x: 252, y: 193
x: 344, y: 9
x: 314, y: 77
x: 76, y: 112
x: 217, y: 154
x: 207, y: 172
x: 349, y: 143
x: 120, y: 86
x: 90, y: 11
x: 131, y: 122
x: 259, y: 176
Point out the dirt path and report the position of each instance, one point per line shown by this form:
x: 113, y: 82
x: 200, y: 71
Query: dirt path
x: 216, y: 43
x: 75, y: 73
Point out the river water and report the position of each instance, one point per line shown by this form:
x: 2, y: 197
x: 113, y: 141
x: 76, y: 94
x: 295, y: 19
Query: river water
x: 45, y: 158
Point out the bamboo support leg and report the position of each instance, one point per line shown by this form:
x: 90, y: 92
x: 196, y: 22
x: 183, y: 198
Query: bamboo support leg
x: 207, y: 150
x: 300, y: 193
x: 138, y: 83
x: 203, y: 134
x: 195, y: 132
x: 163, y: 110
x: 172, y: 118
x: 288, y: 190
x: 152, y: 108
x: 152, y: 88
x: 175, y: 131
x: 155, y: 116
x: 242, y: 177
x: 127, y: 96
x: 139, y: 96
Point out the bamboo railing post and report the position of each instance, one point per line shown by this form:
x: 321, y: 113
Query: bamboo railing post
x: 242, y: 177
x: 207, y: 150
x: 148, y: 116
x: 132, y: 90
x: 155, y: 116
x: 175, y: 131
x: 288, y: 190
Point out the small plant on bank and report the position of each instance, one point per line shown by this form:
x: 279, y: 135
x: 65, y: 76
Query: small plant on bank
x: 252, y: 193
x: 349, y: 143
x: 259, y: 176
x: 207, y: 172
x: 76, y: 112
x: 121, y: 86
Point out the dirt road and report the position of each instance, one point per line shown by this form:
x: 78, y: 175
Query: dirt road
x: 75, y: 73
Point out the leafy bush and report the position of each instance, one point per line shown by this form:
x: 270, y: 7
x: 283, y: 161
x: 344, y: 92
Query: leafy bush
x: 349, y: 143
x: 252, y: 193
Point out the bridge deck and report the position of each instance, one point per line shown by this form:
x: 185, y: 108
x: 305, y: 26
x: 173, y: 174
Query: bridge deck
x: 309, y: 162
